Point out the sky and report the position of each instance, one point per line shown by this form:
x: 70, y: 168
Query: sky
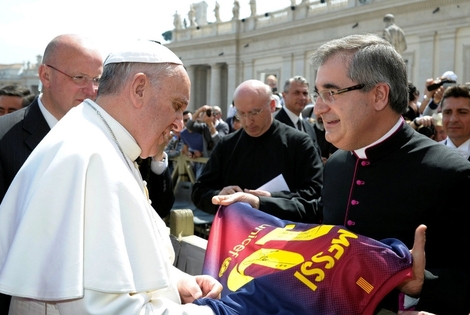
x: 27, y: 26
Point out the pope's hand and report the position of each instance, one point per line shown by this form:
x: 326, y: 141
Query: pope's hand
x: 191, y: 288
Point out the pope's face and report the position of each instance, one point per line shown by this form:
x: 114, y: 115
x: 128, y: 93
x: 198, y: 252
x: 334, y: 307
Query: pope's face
x: 167, y: 104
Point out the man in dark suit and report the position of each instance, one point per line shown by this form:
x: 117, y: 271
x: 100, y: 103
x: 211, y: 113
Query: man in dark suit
x: 69, y: 74
x: 296, y: 97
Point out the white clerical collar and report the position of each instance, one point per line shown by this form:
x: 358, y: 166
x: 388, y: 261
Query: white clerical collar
x: 124, y: 139
x: 463, y: 149
x: 50, y: 119
x: 361, y: 153
x: 293, y: 116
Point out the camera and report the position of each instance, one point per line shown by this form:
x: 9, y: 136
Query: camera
x: 209, y: 112
x: 445, y: 82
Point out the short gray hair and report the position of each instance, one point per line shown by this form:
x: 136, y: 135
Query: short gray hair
x: 372, y: 60
x: 115, y: 75
x: 297, y: 78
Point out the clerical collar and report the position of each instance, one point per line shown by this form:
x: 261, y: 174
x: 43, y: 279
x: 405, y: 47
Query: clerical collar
x: 50, y: 119
x: 124, y: 140
x: 361, y: 153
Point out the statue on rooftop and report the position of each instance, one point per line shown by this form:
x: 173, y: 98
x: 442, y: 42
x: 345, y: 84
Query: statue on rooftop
x: 236, y: 10
x: 177, y: 21
x: 217, y: 12
x: 394, y: 34
x: 253, y: 7
x: 192, y: 16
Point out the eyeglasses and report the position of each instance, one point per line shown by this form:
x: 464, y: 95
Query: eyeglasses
x: 79, y: 80
x: 252, y: 114
x: 327, y: 96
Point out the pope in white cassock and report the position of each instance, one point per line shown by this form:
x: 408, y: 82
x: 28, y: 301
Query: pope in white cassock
x: 77, y: 232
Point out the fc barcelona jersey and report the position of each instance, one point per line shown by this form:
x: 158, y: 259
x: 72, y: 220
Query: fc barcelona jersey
x: 273, y: 266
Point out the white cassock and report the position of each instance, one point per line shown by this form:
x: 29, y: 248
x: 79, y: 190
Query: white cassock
x: 77, y: 231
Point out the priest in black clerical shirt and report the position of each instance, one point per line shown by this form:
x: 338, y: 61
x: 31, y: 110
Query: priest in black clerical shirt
x: 262, y: 150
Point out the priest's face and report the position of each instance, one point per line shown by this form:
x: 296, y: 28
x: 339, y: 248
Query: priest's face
x: 255, y: 119
x: 166, y: 106
x: 349, y: 117
x: 254, y: 106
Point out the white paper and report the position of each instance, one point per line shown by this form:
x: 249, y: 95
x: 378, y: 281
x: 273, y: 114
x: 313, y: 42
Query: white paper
x: 278, y: 183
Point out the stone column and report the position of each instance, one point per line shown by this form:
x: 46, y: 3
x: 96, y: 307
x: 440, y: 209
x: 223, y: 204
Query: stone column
x: 232, y: 83
x: 446, y: 51
x: 192, y: 77
x: 299, y: 64
x: 248, y: 70
x: 425, y: 61
x: 286, y: 68
x: 215, y: 85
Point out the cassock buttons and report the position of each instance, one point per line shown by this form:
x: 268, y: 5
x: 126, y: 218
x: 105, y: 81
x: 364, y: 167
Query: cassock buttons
x: 365, y: 163
x: 350, y: 223
x: 354, y: 202
x: 360, y: 182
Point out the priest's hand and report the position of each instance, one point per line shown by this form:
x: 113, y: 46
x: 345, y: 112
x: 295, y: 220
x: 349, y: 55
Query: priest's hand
x: 225, y: 200
x: 413, y: 286
x: 258, y: 193
x: 230, y: 190
x: 191, y: 288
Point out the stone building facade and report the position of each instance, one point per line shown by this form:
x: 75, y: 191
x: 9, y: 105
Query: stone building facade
x: 25, y: 74
x: 220, y: 55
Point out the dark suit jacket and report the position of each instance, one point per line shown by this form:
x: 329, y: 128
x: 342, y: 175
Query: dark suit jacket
x: 283, y: 117
x: 160, y: 187
x: 20, y: 133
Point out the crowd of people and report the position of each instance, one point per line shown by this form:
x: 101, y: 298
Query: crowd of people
x: 89, y: 157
